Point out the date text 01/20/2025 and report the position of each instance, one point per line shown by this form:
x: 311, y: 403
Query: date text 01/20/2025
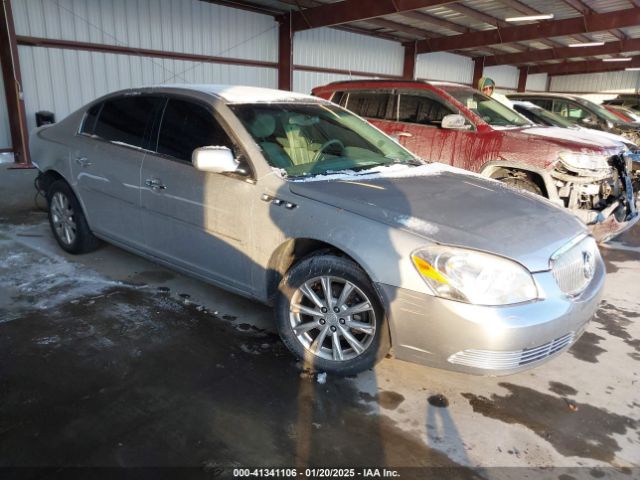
x: 315, y: 473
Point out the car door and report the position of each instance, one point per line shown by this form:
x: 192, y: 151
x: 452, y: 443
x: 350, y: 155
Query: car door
x: 574, y: 112
x: 106, y: 168
x: 374, y: 105
x: 419, y: 127
x: 196, y: 220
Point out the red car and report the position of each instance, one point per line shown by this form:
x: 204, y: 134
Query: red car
x: 458, y: 125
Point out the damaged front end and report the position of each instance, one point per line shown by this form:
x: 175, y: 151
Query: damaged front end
x: 600, y: 190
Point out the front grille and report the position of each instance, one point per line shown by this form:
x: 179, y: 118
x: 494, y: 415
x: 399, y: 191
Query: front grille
x: 496, y: 360
x: 573, y: 266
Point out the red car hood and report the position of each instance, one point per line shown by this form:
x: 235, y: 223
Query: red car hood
x: 541, y: 145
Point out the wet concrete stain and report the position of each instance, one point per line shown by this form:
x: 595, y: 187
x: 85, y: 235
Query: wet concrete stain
x: 586, y: 431
x: 152, y: 276
x: 140, y: 378
x: 438, y: 400
x: 586, y: 348
x: 611, y: 256
x: 384, y: 399
x: 615, y: 320
x: 390, y: 400
x: 562, y: 389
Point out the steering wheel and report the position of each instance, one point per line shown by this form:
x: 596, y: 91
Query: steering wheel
x: 324, y: 146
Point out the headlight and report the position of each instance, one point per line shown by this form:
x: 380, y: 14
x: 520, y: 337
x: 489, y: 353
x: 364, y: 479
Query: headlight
x: 588, y: 161
x: 474, y: 277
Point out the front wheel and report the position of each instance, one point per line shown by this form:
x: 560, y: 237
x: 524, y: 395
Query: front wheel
x: 329, y: 315
x: 522, y: 183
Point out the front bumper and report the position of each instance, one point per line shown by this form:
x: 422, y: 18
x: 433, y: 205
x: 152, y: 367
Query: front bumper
x: 610, y: 213
x: 485, y: 340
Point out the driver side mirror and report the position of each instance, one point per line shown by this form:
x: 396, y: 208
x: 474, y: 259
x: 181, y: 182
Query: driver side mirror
x: 214, y: 159
x: 454, y: 121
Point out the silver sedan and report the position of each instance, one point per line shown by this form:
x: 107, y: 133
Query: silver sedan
x: 293, y: 201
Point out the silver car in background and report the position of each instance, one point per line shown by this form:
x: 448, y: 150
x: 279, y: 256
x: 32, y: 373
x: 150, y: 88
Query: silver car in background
x: 293, y: 201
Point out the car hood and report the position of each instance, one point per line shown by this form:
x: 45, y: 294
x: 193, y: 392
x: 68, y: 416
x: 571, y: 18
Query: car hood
x: 570, y: 139
x: 591, y: 133
x: 456, y: 209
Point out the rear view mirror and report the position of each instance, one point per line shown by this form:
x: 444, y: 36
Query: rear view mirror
x: 214, y: 159
x: 454, y: 121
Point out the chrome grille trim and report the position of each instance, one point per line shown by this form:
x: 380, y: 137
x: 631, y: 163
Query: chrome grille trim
x: 497, y: 360
x: 573, y: 266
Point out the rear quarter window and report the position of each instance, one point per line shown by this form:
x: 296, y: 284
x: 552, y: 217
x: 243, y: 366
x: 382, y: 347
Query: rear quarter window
x: 89, y: 121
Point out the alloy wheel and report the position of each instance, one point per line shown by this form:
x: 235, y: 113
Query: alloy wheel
x: 63, y: 218
x: 332, y: 318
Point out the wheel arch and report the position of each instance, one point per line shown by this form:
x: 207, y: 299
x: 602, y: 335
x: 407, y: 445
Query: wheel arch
x: 295, y: 249
x: 539, y: 176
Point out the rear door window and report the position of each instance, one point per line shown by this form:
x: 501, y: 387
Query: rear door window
x: 187, y: 126
x: 570, y: 110
x: 127, y: 120
x: 541, y: 102
x: 370, y: 104
x: 423, y: 109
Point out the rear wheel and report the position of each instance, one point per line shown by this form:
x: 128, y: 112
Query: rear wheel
x: 68, y: 223
x: 329, y: 315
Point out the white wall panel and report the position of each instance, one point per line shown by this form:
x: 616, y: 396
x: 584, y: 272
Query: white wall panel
x: 189, y: 26
x: 605, y: 82
x: 329, y: 48
x: 444, y: 66
x: 304, y: 82
x: 505, y: 76
x: 5, y: 132
x: 536, y: 82
x: 63, y: 80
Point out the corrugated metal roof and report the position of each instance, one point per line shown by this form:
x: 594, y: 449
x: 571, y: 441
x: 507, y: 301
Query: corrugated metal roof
x: 608, y: 5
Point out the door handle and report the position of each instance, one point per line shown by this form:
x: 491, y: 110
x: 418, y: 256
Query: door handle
x: 398, y: 135
x: 155, y: 184
x: 83, y: 161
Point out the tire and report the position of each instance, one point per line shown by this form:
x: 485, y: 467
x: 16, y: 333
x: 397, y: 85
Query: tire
x: 360, y: 338
x: 521, y: 183
x: 67, y: 221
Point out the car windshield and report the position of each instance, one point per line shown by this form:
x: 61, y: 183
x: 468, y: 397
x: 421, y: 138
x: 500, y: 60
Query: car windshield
x: 312, y: 139
x: 603, y: 112
x: 491, y: 111
x: 551, y: 118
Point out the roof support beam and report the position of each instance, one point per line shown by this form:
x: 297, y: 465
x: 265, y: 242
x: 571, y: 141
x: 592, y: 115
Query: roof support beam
x: 609, y: 48
x: 348, y: 11
x: 12, y: 86
x: 478, y: 69
x: 285, y: 54
x: 409, y: 67
x: 522, y: 79
x: 554, y: 28
x: 571, y: 68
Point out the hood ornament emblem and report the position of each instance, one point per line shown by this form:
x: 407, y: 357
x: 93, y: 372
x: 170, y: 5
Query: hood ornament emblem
x: 587, y: 265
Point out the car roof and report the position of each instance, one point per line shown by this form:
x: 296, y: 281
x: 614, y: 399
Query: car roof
x: 231, y: 93
x: 398, y: 82
x: 545, y: 94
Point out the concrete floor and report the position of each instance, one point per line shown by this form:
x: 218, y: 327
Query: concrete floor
x: 107, y: 359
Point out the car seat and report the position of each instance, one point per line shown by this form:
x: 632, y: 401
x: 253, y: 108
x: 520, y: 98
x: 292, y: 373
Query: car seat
x: 262, y: 128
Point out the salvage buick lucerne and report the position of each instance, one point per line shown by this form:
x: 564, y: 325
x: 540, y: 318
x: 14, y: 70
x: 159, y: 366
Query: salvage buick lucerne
x: 458, y: 125
x: 294, y: 201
